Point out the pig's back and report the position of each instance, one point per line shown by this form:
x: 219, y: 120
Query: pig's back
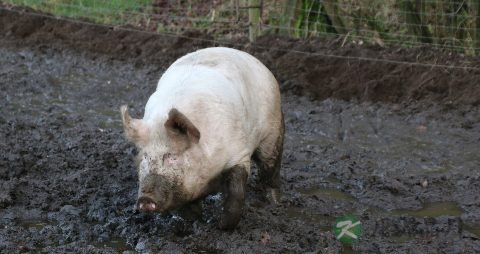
x: 228, y: 94
x: 248, y: 75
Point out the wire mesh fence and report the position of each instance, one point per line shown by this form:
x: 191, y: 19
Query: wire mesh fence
x: 446, y: 24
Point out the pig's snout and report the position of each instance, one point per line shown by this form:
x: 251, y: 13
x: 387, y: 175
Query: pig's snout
x: 146, y: 204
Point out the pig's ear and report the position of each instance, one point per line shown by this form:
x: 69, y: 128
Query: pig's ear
x: 135, y: 129
x: 181, y: 132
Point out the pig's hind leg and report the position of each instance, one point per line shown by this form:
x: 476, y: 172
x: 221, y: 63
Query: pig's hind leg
x: 236, y: 181
x: 268, y: 158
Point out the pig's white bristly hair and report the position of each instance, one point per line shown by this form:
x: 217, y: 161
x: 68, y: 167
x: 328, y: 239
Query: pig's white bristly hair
x: 231, y: 98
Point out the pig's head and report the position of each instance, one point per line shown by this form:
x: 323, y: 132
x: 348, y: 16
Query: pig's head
x: 167, y: 150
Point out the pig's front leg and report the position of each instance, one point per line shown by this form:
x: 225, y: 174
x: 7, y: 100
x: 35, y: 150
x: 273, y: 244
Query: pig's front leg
x: 236, y: 180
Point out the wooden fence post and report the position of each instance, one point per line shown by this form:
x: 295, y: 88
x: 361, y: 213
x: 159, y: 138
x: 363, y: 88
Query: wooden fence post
x: 476, y: 14
x: 287, y: 17
x: 253, y: 19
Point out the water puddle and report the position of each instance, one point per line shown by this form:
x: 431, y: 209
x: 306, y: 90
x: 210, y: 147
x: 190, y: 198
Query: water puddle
x: 325, y: 222
x: 347, y: 249
x: 116, y: 243
x: 108, y: 118
x: 202, y: 248
x: 401, y: 238
x: 35, y: 224
x: 431, y: 210
x: 333, y: 179
x: 472, y: 228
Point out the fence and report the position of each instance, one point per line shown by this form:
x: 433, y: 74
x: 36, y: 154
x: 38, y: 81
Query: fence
x: 447, y: 24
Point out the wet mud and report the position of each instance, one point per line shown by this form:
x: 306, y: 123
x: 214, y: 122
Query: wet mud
x: 406, y: 166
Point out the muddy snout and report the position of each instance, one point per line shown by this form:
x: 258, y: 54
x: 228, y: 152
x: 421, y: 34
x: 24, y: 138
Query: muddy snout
x: 147, y: 199
x: 146, y: 204
x: 154, y: 194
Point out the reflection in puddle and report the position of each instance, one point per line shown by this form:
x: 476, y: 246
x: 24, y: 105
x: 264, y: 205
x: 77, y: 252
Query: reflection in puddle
x: 432, y: 210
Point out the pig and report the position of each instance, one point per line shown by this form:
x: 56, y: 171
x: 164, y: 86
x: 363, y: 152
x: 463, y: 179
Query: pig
x: 213, y: 111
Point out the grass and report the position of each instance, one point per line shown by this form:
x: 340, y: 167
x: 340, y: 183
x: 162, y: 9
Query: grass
x: 113, y: 12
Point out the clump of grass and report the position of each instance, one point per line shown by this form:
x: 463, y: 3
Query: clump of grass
x: 452, y: 24
x: 113, y: 12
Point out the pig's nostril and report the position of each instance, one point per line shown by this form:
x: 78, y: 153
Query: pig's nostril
x: 146, y: 204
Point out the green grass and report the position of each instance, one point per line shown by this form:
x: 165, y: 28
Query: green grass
x: 114, y: 12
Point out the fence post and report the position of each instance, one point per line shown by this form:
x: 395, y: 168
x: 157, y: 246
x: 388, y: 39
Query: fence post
x: 287, y: 16
x: 477, y: 27
x: 254, y: 19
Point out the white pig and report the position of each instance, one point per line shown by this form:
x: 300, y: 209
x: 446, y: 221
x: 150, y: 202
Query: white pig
x: 213, y: 111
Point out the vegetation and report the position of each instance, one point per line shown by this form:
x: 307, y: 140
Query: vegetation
x: 101, y: 11
x: 451, y: 24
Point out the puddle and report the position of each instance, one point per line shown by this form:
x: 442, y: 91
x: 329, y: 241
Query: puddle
x: 329, y: 193
x: 325, y: 222
x: 347, y: 249
x: 472, y: 228
x: 202, y: 248
x: 432, y: 210
x: 108, y: 124
x: 405, y: 238
x: 401, y: 238
x: 317, y: 141
x: 36, y: 224
x: 333, y: 179
x: 115, y: 243
x: 107, y: 117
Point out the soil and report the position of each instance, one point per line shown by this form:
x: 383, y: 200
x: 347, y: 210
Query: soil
x: 394, y: 145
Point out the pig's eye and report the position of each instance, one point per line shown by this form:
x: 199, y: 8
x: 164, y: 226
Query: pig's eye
x: 169, y: 159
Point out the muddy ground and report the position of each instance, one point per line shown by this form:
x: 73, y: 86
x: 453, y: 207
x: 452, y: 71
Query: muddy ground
x: 400, y: 150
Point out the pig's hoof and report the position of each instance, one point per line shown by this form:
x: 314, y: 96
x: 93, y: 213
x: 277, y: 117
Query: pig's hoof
x: 273, y: 195
x: 228, y: 223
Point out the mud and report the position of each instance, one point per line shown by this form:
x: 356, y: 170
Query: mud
x: 405, y: 163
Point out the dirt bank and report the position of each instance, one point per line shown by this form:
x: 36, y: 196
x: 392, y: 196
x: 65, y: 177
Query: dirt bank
x: 318, y: 76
